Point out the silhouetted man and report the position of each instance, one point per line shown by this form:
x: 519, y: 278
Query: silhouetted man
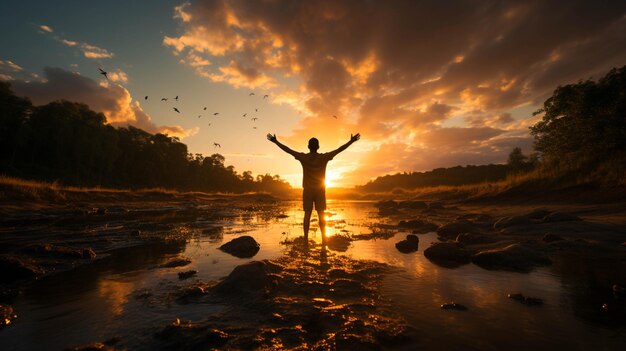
x: 313, y: 177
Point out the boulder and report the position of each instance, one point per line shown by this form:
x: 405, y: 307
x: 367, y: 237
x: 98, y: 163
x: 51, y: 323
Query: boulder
x: 505, y: 222
x: 453, y: 229
x: 561, y: 217
x: 473, y: 239
x: 418, y: 226
x: 514, y: 257
x: 410, y: 244
x: 251, y: 278
x: 242, y: 247
x: 338, y: 242
x: 447, y: 254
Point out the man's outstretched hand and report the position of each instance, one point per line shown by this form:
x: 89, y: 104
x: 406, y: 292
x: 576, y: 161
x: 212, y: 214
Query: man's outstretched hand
x: 355, y: 137
x: 271, y: 137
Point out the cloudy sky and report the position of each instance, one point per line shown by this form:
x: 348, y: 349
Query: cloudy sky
x: 427, y: 83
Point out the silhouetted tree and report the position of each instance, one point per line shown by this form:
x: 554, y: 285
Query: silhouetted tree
x: 68, y: 142
x: 518, y: 162
x: 584, y: 124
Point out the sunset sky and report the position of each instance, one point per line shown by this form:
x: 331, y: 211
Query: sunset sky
x: 427, y: 83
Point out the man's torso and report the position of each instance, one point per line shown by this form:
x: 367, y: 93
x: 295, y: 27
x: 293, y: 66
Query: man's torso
x: 313, y: 170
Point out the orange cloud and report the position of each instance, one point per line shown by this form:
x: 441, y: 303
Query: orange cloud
x: 427, y: 84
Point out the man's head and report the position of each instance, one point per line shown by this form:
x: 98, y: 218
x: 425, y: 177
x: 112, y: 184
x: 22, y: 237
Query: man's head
x: 314, y: 144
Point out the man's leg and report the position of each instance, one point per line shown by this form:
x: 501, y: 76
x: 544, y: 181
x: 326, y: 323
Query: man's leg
x: 322, y: 222
x: 307, y: 206
x: 307, y: 223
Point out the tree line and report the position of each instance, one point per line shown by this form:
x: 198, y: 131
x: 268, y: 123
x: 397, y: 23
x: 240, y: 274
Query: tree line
x: 458, y: 175
x: 68, y: 142
x: 582, y: 133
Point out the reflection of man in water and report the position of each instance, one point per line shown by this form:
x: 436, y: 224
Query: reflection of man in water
x: 314, y: 175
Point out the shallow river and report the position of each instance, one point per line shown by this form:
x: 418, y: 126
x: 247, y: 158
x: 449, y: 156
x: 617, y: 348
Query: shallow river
x: 99, y: 301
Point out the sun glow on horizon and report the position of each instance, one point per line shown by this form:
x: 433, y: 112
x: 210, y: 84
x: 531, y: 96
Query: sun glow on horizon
x: 333, y: 179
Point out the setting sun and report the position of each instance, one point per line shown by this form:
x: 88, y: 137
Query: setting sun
x: 332, y: 178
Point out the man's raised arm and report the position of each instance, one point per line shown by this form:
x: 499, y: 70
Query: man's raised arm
x: 353, y: 138
x: 284, y: 147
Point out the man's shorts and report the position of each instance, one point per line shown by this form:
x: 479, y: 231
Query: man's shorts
x: 314, y: 196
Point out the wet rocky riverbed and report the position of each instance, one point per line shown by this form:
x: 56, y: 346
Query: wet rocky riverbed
x: 152, y: 276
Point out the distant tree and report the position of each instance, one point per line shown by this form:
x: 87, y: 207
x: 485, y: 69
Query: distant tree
x: 584, y: 124
x: 518, y: 162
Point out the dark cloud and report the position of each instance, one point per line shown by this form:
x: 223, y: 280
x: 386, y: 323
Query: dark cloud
x: 113, y: 100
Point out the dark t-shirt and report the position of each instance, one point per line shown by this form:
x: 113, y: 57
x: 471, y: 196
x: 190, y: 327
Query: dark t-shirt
x: 313, y: 169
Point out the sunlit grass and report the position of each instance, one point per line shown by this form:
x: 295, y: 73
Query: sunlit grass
x: 14, y: 188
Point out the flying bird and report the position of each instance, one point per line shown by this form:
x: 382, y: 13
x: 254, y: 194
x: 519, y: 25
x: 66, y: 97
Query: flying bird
x: 217, y: 145
x: 245, y: 114
x: 204, y: 109
x: 265, y: 96
x: 146, y: 98
x: 176, y: 98
x: 253, y: 127
x: 175, y: 109
x: 104, y: 73
x: 216, y: 113
x: 254, y: 118
x: 256, y: 110
x: 250, y: 94
x: 199, y: 116
x: 163, y: 99
x: 335, y: 117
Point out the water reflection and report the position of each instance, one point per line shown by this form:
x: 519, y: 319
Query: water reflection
x: 103, y: 300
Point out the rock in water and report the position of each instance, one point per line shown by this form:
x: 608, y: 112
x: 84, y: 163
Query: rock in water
x: 410, y: 244
x: 250, y: 278
x: 448, y: 254
x: 242, y: 247
x: 514, y: 257
x: 506, y: 222
x: 453, y: 229
x: 517, y: 297
x: 176, y: 262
